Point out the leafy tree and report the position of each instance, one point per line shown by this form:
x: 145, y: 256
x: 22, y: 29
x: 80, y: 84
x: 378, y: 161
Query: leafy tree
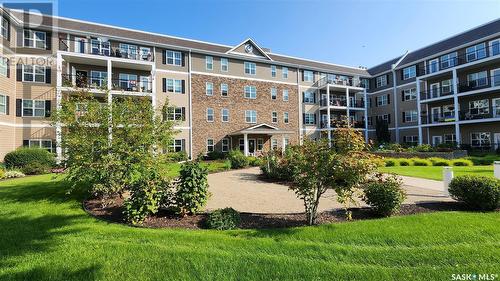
x: 107, y: 146
x: 382, y: 131
x: 192, y: 190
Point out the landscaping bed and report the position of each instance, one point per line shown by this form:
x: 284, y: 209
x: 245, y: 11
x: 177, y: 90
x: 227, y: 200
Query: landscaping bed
x: 113, y: 211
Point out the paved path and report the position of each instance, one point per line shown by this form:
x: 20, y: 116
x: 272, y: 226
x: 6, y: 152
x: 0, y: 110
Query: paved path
x: 245, y: 192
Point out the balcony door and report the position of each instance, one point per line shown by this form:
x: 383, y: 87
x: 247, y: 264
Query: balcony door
x: 496, y: 139
x: 436, y: 114
x: 434, y: 65
x: 495, y: 77
x: 437, y: 140
x: 80, y: 45
x: 496, y: 107
x: 435, y: 90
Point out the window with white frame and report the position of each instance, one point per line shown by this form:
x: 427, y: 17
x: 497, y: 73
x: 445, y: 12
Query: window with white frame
x: 260, y: 144
x: 174, y: 85
x: 449, y: 112
x: 309, y: 118
x: 409, y: 72
x: 383, y: 100
x: 241, y: 144
x: 98, y: 47
x: 224, y: 90
x: 127, y: 81
x: 495, y: 47
x: 273, y: 70
x: 250, y: 116
x: 33, y: 108
x: 176, y: 113
x: 477, y: 79
x: 410, y: 140
x: 274, y: 117
x: 480, y: 139
x: 410, y: 116
x: 209, y: 88
x: 285, y: 95
x: 33, y: 73
x: 177, y: 145
x: 410, y: 94
x: 98, y: 78
x: 3, y: 104
x: 450, y: 138
x: 209, y: 63
x: 308, y: 76
x: 495, y: 77
x: 309, y: 97
x: 381, y: 81
x: 4, y: 27
x: 210, y: 145
x: 274, y: 93
x: 35, y: 39
x: 433, y: 65
x: 475, y: 52
x: 285, y: 117
x: 446, y: 86
x: 225, y: 145
x: 224, y: 65
x: 284, y: 71
x: 40, y: 143
x: 4, y: 66
x: 250, y: 68
x: 274, y: 144
x: 448, y: 60
x: 250, y: 92
x: 383, y: 117
x: 174, y: 58
x: 479, y: 107
x: 210, y: 115
x: 286, y: 142
x: 129, y: 50
x: 225, y: 115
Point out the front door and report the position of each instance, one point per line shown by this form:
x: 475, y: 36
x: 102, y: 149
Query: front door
x: 437, y: 140
x: 496, y: 138
x: 81, y: 79
x: 251, y: 146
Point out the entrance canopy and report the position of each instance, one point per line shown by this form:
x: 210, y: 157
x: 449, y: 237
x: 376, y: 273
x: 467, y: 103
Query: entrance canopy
x: 261, y: 129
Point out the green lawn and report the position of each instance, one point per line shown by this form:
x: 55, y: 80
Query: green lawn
x: 436, y: 173
x: 45, y: 235
x: 172, y: 169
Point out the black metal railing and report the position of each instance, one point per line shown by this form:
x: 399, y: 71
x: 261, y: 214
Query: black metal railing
x: 438, y: 118
x: 464, y: 58
x: 85, y: 82
x: 337, y: 123
x: 105, y: 49
x: 343, y: 81
x: 132, y: 85
x: 437, y: 92
x: 357, y: 103
x: 480, y: 83
x: 479, y: 113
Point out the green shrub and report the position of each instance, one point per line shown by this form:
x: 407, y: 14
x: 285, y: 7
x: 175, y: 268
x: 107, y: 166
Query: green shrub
x: 404, y: 162
x: 35, y: 168
x: 13, y: 174
x: 276, y: 166
x: 421, y: 162
x: 396, y: 147
x: 255, y: 161
x: 21, y: 157
x: 192, y: 192
x: 390, y: 162
x: 436, y: 161
x: 385, y: 196
x: 478, y: 192
x: 223, y: 219
x: 423, y: 148
x: 462, y: 162
x: 176, y: 156
x: 215, y: 155
x: 484, y: 159
x: 2, y: 173
x: 237, y: 159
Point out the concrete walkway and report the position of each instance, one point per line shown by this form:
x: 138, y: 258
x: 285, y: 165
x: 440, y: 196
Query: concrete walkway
x: 244, y: 191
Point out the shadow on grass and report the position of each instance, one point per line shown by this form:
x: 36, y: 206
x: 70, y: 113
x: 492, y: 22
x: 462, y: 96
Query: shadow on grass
x: 51, y: 273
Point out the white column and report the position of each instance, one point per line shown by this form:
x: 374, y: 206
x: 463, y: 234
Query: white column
x: 419, y: 113
x: 456, y: 107
x: 328, y: 117
x: 366, y: 115
x: 245, y: 139
x: 283, y: 144
x: 110, y: 100
x: 153, y: 86
x: 58, y: 107
x: 348, y: 103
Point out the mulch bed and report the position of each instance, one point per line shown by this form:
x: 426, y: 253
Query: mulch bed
x: 165, y: 219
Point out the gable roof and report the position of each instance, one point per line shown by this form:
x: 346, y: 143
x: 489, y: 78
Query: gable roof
x: 258, y: 52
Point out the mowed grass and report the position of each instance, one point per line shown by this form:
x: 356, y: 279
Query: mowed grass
x: 45, y: 235
x: 173, y: 169
x: 436, y: 173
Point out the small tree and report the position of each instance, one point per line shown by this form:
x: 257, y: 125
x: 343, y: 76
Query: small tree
x: 382, y: 131
x: 192, y: 191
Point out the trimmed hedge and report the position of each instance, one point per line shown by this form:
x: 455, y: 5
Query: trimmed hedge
x: 390, y: 162
x: 223, y: 219
x: 433, y: 161
x: 436, y: 161
x: 421, y: 162
x: 405, y: 162
x: 478, y: 192
x: 34, y: 160
x: 462, y: 162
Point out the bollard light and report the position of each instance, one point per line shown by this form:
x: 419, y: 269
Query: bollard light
x: 496, y: 169
x: 447, y: 177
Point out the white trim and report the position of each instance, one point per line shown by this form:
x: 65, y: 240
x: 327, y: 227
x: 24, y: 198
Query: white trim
x: 232, y: 50
x: 242, y: 78
x: 172, y: 71
x: 8, y: 124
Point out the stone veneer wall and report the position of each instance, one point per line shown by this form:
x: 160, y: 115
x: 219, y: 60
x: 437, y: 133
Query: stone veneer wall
x: 237, y: 104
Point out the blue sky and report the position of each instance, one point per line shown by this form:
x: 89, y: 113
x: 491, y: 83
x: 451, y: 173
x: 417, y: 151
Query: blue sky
x: 355, y: 33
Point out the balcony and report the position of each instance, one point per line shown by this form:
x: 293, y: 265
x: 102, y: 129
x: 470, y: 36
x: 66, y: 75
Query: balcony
x: 436, y: 92
x: 438, y: 65
x: 358, y: 103
x: 479, y: 83
x: 341, y: 81
x: 337, y: 124
x: 438, y: 118
x: 137, y: 86
x: 479, y: 114
x: 100, y: 48
x: 101, y: 84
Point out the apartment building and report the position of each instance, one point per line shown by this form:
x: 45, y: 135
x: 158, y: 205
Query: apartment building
x: 245, y: 96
